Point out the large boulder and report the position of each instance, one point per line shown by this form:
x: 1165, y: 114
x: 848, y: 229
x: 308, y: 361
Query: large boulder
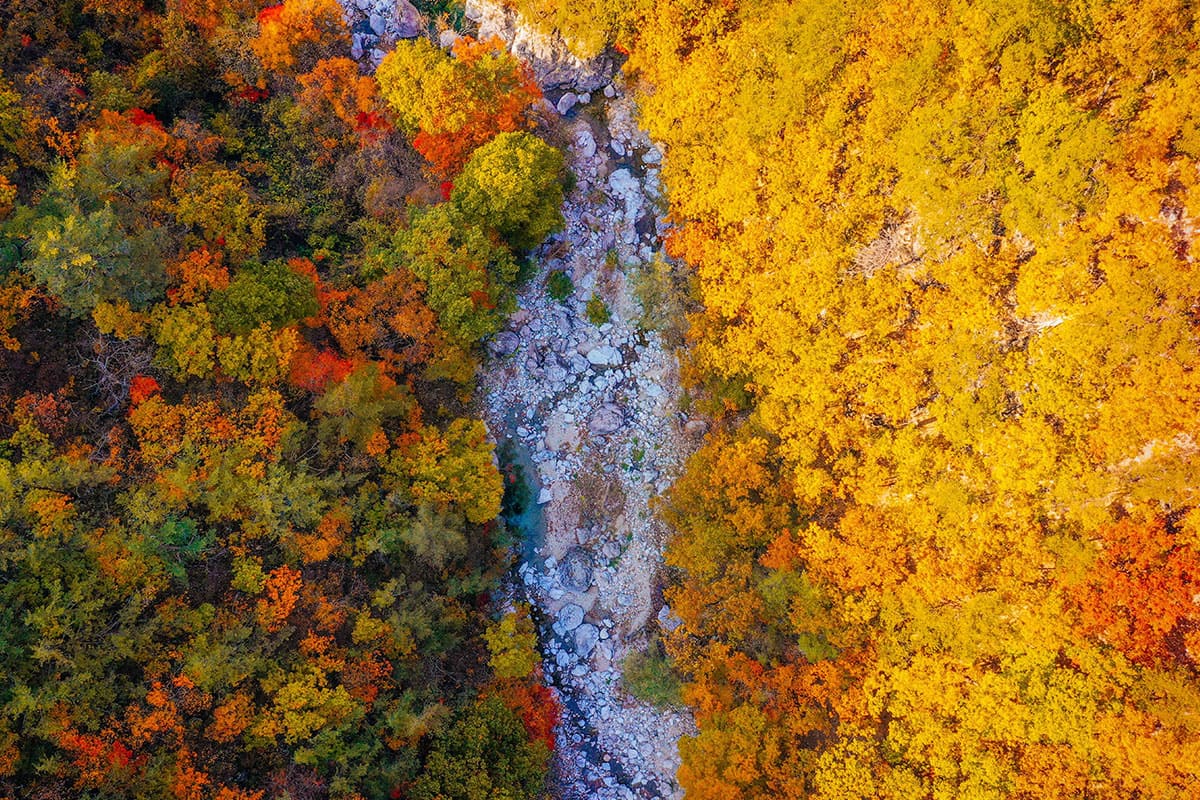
x: 409, y: 23
x: 575, y: 572
x: 624, y: 187
x: 570, y: 617
x: 604, y: 355
x: 504, y: 343
x: 668, y: 620
x: 561, y: 434
x: 606, y: 419
x: 586, y: 637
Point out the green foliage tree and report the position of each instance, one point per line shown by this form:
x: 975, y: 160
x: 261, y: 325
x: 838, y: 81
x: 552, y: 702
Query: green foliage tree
x: 217, y: 202
x: 514, y: 186
x: 484, y: 754
x: 270, y: 293
x: 468, y: 277
x: 85, y: 259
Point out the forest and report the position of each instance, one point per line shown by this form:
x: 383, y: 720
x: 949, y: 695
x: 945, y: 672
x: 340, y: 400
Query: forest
x: 248, y: 518
x: 940, y: 541
x: 945, y: 541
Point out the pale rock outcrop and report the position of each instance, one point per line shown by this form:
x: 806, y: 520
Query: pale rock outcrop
x: 549, y: 55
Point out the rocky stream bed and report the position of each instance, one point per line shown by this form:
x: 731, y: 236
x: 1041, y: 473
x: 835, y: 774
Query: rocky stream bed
x: 590, y: 409
x: 594, y: 406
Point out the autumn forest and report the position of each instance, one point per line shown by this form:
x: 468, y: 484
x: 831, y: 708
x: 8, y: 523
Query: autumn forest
x: 925, y: 269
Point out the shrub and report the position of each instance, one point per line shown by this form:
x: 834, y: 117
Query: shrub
x: 597, y: 310
x: 649, y: 677
x: 662, y: 290
x: 559, y: 285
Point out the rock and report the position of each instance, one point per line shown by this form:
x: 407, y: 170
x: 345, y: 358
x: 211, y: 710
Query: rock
x: 586, y: 637
x: 652, y: 156
x: 668, y: 620
x: 607, y: 419
x: 356, y: 47
x: 570, y: 616
x: 504, y: 343
x: 584, y: 141
x: 378, y: 25
x: 585, y: 98
x: 576, y: 570
x: 617, y: 147
x: 580, y: 671
x: 447, y: 38
x: 544, y: 496
x: 609, y: 91
x: 604, y: 356
x: 695, y: 427
x: 624, y: 187
x: 566, y: 103
x: 409, y: 24
x: 560, y: 433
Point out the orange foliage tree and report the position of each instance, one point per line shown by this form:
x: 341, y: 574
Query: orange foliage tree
x: 1140, y: 595
x: 294, y: 35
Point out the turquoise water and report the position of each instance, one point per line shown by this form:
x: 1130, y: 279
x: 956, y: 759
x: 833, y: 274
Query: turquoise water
x: 522, y: 515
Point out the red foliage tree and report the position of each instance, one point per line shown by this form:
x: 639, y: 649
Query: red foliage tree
x: 141, y: 388
x: 536, y: 704
x: 314, y: 370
